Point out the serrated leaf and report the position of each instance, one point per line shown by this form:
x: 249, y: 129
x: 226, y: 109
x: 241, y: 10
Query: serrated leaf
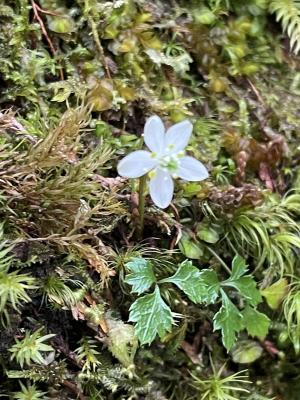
x: 275, y: 293
x: 141, y: 277
x: 152, y: 316
x: 229, y: 320
x: 246, y: 285
x: 188, y: 279
x: 213, y: 285
x: 256, y: 323
x: 239, y: 267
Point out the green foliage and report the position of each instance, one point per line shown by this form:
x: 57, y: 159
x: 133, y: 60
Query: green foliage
x: 256, y: 323
x: 52, y: 374
x: 246, y: 351
x: 29, y: 349
x: 13, y: 285
x: 244, y: 284
x: 291, y: 309
x: 58, y: 292
x: 229, y: 320
x: 29, y: 393
x: 152, y: 316
x: 189, y: 280
x: 141, y: 277
x: 122, y: 342
x: 78, y: 79
x: 217, y: 388
x: 87, y: 354
x: 269, y: 233
x: 275, y: 293
x: 288, y: 12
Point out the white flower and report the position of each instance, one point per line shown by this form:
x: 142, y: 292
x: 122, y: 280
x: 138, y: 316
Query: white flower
x: 166, y: 160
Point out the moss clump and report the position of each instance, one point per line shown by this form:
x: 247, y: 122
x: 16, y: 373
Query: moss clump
x: 78, y: 80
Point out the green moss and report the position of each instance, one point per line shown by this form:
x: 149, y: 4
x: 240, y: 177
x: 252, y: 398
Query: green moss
x: 78, y: 80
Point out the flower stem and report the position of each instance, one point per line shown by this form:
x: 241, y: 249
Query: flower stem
x: 142, y: 187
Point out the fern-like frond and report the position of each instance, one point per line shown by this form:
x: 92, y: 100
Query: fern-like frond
x: 288, y: 12
x: 87, y: 353
x: 52, y: 374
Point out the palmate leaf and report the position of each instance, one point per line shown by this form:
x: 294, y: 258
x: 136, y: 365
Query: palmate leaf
x: 188, y: 278
x: 229, y: 320
x: 141, y: 277
x: 152, y: 316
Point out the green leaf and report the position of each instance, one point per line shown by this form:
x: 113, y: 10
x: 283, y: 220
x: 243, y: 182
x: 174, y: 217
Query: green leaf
x: 256, y: 323
x: 190, y: 248
x: 61, y: 24
x: 229, y: 320
x: 141, y: 277
x: 204, y: 16
x: 275, y: 293
x: 188, y: 279
x: 152, y: 316
x: 208, y: 234
x: 246, y: 351
x: 239, y: 267
x: 246, y: 285
x: 213, y: 285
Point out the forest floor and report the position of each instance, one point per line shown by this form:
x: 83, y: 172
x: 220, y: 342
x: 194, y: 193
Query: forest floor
x: 112, y: 287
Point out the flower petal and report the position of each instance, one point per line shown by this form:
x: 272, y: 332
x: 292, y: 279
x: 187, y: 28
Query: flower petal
x: 154, y: 134
x: 161, y: 188
x: 191, y: 169
x: 178, y: 136
x: 136, y: 164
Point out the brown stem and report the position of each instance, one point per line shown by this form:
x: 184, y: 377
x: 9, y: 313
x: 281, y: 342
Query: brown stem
x: 74, y: 389
x: 99, y: 46
x: 36, y: 8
